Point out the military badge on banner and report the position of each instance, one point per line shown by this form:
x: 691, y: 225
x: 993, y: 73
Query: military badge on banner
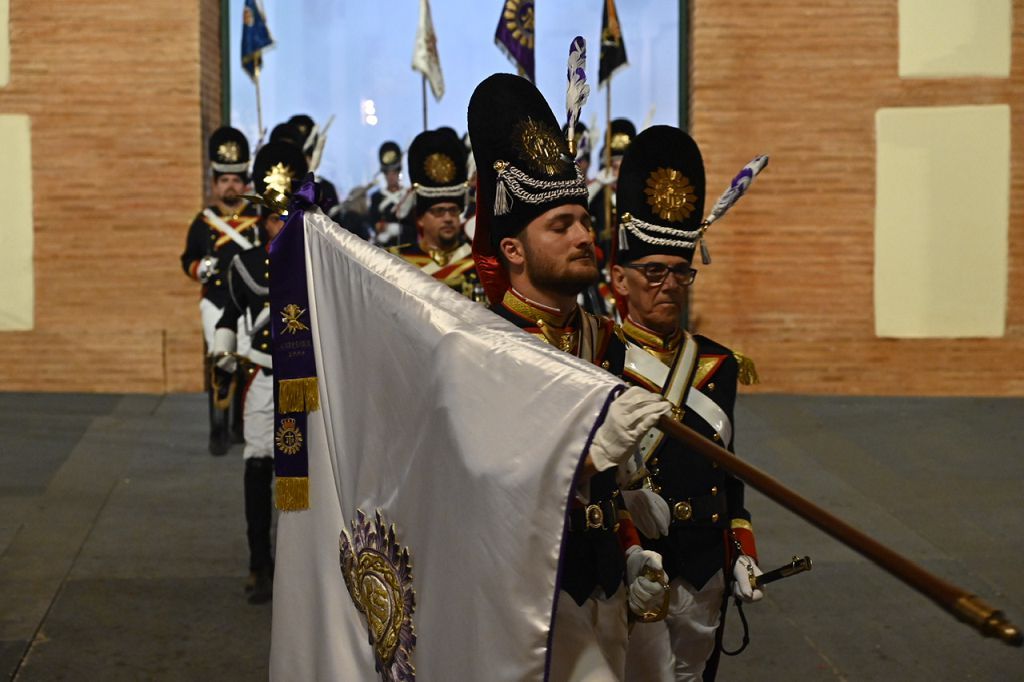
x: 289, y: 437
x: 378, y: 575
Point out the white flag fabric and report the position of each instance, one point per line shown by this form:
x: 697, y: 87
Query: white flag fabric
x: 443, y: 432
x: 424, y: 56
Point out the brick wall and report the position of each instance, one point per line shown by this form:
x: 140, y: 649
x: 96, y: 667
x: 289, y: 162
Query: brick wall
x: 792, y: 280
x: 113, y: 91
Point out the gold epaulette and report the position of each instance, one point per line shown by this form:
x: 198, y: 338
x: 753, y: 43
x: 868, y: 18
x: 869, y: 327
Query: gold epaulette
x: 617, y: 330
x: 748, y: 372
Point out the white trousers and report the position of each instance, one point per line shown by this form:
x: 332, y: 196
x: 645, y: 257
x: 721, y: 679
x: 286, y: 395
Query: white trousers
x: 258, y: 417
x: 677, y: 648
x: 589, y: 642
x: 210, y: 316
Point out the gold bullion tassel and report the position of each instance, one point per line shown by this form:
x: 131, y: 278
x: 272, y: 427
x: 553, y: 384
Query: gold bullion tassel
x: 292, y: 493
x: 298, y: 395
x: 748, y: 372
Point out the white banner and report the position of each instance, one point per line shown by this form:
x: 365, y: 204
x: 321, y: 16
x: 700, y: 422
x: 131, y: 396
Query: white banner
x: 424, y: 55
x: 461, y: 431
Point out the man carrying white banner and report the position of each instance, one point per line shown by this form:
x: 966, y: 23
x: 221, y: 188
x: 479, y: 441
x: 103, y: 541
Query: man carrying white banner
x: 449, y: 451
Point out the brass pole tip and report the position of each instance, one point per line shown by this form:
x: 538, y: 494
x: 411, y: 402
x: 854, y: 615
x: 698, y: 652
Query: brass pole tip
x: 1009, y: 633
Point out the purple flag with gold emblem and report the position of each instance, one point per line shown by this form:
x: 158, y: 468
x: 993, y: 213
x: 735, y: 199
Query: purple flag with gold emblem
x: 515, y: 35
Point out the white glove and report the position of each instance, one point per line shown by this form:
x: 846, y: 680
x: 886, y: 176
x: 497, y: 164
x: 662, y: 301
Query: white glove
x: 630, y: 416
x: 649, y: 510
x: 207, y: 265
x: 224, y: 342
x: 645, y: 595
x: 741, y: 572
x: 228, y: 363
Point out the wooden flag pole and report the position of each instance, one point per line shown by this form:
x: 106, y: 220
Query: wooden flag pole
x: 259, y: 108
x: 966, y: 607
x: 608, y: 227
x: 424, y: 93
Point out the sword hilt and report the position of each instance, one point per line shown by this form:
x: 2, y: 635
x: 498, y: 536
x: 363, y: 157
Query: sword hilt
x: 797, y: 565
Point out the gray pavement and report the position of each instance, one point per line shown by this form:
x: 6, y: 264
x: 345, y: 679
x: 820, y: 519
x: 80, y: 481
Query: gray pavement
x: 122, y: 548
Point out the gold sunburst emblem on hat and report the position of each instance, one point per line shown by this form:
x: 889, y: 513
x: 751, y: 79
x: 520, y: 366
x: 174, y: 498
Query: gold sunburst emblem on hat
x: 229, y: 151
x: 670, y: 194
x: 279, y: 178
x: 620, y: 141
x: 439, y: 168
x: 519, y: 21
x: 389, y: 157
x: 543, y: 148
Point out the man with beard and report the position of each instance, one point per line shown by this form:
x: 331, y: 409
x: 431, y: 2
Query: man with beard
x: 535, y: 253
x: 218, y: 233
x: 278, y: 167
x: 686, y: 508
x: 437, y: 169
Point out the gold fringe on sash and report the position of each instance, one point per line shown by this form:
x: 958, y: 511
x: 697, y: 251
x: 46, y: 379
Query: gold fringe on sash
x: 748, y: 372
x: 298, y: 395
x: 292, y: 493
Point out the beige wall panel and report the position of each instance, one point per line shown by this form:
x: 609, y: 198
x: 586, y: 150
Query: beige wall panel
x: 954, y: 38
x: 793, y: 279
x: 941, y: 214
x: 117, y: 173
x: 17, y: 289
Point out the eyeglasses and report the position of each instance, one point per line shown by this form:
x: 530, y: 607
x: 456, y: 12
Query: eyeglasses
x: 656, y: 273
x: 442, y: 211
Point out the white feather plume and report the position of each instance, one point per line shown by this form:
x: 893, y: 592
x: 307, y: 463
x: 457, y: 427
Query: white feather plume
x: 578, y: 90
x: 737, y: 188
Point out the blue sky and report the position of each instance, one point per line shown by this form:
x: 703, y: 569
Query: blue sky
x: 331, y: 55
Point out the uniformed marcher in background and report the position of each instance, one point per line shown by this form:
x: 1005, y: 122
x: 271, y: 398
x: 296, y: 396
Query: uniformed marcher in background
x: 596, y: 298
x: 534, y: 245
x: 686, y: 508
x: 385, y: 200
x: 583, y: 147
x: 278, y: 166
x: 437, y: 170
x: 225, y: 228
x: 313, y: 141
x: 622, y: 133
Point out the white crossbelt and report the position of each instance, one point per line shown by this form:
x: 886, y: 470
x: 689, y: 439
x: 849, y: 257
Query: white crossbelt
x: 642, y: 363
x: 457, y: 255
x: 231, y: 232
x: 677, y: 378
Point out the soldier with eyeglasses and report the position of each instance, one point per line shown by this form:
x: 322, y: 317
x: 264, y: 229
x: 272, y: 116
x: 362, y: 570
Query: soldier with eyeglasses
x: 685, y: 507
x: 437, y: 168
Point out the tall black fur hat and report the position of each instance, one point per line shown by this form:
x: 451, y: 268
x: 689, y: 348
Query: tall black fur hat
x: 287, y: 134
x: 522, y: 158
x: 660, y: 195
x: 229, y: 152
x: 278, y: 167
x: 307, y: 129
x: 623, y: 132
x: 437, y: 169
x: 390, y: 155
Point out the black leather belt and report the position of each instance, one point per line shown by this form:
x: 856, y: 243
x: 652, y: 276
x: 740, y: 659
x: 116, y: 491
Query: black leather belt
x: 704, y: 510
x: 597, y: 516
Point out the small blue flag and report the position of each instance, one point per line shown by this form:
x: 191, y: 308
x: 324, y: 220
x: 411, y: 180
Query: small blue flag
x: 255, y: 37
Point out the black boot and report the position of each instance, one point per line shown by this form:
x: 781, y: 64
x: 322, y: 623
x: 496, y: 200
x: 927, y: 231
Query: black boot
x: 218, y: 427
x: 259, y: 473
x: 238, y: 406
